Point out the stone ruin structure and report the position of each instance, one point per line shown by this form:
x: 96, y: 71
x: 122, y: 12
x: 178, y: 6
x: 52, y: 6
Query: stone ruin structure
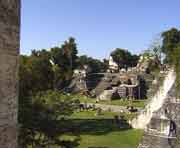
x: 163, y: 131
x: 114, y: 86
x: 113, y: 66
x: 105, y: 86
x: 78, y: 83
x: 147, y: 61
x: 9, y: 50
x: 115, y: 83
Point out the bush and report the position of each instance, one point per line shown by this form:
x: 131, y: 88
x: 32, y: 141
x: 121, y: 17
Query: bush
x: 43, y: 122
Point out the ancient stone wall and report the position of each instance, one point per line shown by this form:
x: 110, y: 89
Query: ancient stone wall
x: 157, y: 139
x: 9, y: 50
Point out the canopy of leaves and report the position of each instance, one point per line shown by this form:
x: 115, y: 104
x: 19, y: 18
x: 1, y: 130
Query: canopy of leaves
x: 40, y: 116
x: 35, y: 73
x: 175, y: 58
x: 66, y: 55
x: 42, y: 122
x: 171, y: 39
x: 94, y: 64
x: 124, y: 58
x: 171, y: 47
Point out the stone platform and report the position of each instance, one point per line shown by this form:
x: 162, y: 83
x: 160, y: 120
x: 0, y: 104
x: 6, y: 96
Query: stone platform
x: 159, y: 134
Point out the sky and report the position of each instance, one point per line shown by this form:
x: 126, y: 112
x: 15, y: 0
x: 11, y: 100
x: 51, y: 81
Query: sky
x: 99, y: 26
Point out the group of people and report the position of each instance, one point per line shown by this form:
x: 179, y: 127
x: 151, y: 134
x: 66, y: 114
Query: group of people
x: 87, y: 107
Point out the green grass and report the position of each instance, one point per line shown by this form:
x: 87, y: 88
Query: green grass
x: 103, y: 115
x: 129, y: 138
x: 102, y: 131
x: 135, y: 103
x: 91, y: 115
x: 123, y: 139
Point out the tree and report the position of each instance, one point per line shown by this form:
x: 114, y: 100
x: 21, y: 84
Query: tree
x: 60, y: 65
x: 44, y: 122
x: 156, y: 48
x: 25, y: 83
x: 65, y: 61
x: 83, y: 60
x: 35, y: 73
x: 38, y: 116
x: 170, y: 40
x: 94, y: 64
x: 171, y: 48
x: 176, y: 62
x: 105, y: 64
x: 124, y: 58
x: 70, y: 51
x: 133, y: 60
x: 58, y: 57
x: 41, y: 73
x: 119, y: 56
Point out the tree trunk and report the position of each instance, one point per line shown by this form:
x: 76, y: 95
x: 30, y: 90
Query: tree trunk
x: 9, y: 50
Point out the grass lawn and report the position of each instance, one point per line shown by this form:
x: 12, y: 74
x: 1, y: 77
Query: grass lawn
x: 103, y: 115
x: 121, y: 139
x: 136, y: 103
x: 102, y: 131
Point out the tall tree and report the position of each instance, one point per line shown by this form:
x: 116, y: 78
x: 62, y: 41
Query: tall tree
x: 94, y: 64
x: 61, y: 68
x: 119, y: 56
x: 70, y: 50
x: 156, y: 48
x: 65, y: 61
x: 171, y: 48
x: 124, y: 58
x: 41, y: 70
x: 58, y: 57
x: 171, y: 39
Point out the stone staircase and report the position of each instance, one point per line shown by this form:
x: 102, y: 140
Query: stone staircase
x: 107, y: 94
x: 169, y: 113
x: 155, y: 103
x: 103, y: 85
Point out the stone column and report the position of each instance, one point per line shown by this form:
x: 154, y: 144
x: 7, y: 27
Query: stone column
x: 9, y: 51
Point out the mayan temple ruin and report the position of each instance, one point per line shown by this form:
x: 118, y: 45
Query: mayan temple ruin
x: 60, y: 97
x: 9, y: 50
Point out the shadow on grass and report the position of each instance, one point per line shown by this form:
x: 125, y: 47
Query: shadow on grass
x: 94, y: 126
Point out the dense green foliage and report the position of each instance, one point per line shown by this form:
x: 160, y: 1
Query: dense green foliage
x: 42, y: 120
x: 176, y: 62
x: 124, y: 58
x: 171, y: 40
x: 35, y: 70
x: 171, y: 48
x: 94, y: 64
x: 39, y: 109
x: 64, y: 61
